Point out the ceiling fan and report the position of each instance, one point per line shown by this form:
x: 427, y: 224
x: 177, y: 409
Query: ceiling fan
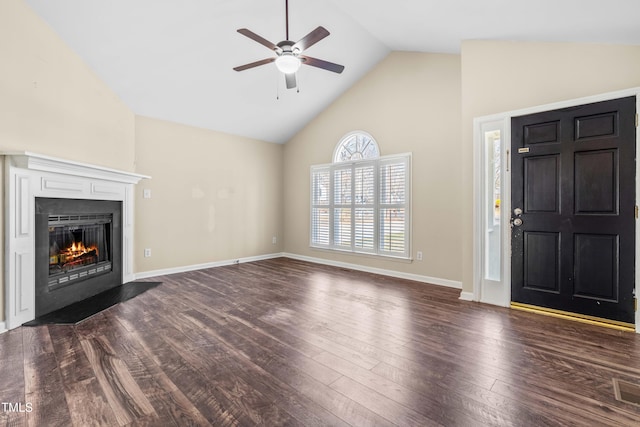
x: 289, y: 56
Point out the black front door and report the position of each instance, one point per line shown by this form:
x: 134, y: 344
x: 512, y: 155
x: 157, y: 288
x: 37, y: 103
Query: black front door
x: 573, y: 201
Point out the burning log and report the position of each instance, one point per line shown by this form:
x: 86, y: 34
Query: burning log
x: 82, y: 259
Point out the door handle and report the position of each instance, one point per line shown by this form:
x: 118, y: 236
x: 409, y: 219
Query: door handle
x: 517, y: 221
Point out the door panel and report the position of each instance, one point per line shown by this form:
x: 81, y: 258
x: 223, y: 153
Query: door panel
x: 596, y: 182
x: 542, y: 183
x: 596, y: 125
x: 542, y: 133
x: 542, y: 251
x: 573, y: 177
x: 596, y: 266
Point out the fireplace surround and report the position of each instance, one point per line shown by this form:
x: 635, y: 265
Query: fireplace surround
x: 29, y: 176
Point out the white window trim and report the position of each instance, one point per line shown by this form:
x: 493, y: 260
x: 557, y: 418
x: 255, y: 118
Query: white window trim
x: 376, y: 252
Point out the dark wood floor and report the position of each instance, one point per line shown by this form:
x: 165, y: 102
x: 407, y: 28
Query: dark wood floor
x: 283, y: 342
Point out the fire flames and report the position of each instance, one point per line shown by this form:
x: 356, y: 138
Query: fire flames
x: 78, y: 248
x: 76, y: 254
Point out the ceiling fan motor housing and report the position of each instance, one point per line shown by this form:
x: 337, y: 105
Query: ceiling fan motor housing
x: 286, y: 46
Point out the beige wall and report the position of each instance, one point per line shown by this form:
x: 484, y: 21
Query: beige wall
x: 52, y: 103
x: 215, y: 197
x: 503, y: 76
x: 410, y: 102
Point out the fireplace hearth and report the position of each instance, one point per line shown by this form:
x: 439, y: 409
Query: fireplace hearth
x: 78, y: 250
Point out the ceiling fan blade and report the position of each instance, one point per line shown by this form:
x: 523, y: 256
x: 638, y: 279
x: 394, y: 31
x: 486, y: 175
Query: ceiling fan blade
x: 291, y: 80
x: 253, y: 36
x: 254, y: 64
x: 312, y: 38
x: 325, y: 65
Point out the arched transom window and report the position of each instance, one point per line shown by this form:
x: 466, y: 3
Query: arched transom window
x: 356, y: 146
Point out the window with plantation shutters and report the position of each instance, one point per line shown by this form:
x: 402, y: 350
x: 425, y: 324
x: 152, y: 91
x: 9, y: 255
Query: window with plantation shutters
x: 362, y: 206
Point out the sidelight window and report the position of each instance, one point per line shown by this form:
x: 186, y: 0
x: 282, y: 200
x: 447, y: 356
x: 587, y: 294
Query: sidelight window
x: 492, y: 201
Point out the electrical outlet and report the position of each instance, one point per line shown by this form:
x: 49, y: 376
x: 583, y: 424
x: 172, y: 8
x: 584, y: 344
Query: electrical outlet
x: 146, y: 193
x: 147, y: 252
x: 274, y: 240
x: 419, y: 256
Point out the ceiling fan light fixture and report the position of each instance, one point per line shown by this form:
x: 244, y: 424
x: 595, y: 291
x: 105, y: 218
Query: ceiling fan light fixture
x: 288, y: 63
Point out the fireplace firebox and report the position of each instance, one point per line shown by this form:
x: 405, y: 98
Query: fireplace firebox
x: 78, y: 250
x: 79, y: 247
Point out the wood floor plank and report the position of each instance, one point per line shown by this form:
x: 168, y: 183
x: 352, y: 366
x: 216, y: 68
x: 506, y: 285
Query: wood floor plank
x: 251, y: 376
x: 446, y: 389
x: 381, y: 404
x: 302, y: 374
x: 265, y: 343
x: 171, y: 406
x: 232, y: 400
x: 88, y: 405
x: 191, y: 383
x: 43, y: 382
x: 11, y: 382
x: 246, y: 393
x: 562, y: 414
x: 87, y: 402
x: 577, y: 377
x: 444, y: 408
x: 73, y: 362
x: 122, y: 392
x: 11, y: 360
x: 314, y: 334
x: 321, y: 394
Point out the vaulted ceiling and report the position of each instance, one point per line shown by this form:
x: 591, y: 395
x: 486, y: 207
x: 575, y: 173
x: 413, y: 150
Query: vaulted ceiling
x: 174, y: 60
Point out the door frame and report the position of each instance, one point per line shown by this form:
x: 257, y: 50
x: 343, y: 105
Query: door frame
x: 499, y: 292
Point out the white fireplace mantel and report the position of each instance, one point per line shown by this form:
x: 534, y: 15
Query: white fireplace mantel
x: 29, y: 175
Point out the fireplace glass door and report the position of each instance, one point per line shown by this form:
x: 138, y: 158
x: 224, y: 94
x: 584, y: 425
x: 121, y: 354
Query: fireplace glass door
x: 79, y: 247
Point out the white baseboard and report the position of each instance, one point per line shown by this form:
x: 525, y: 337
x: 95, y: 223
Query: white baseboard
x: 466, y: 296
x: 3, y: 327
x: 391, y: 273
x: 174, y: 270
